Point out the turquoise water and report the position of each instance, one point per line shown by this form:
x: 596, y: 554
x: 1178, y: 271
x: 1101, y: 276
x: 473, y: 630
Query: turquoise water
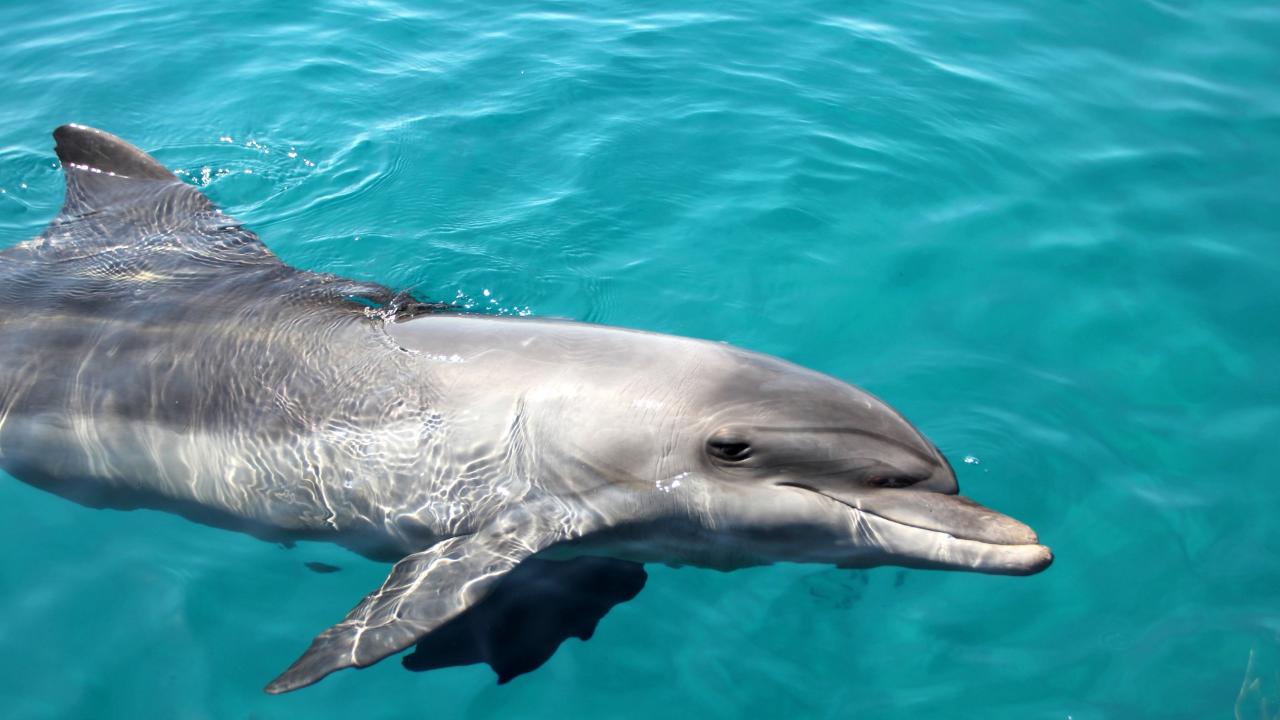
x: 1048, y: 232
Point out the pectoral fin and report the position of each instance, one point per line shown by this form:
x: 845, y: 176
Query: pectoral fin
x: 424, y: 591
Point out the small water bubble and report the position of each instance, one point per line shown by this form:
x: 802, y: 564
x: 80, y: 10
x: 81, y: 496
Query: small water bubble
x: 485, y: 291
x: 225, y: 139
x: 23, y: 186
x: 971, y: 460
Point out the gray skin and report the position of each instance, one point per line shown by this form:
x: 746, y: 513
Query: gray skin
x: 155, y: 353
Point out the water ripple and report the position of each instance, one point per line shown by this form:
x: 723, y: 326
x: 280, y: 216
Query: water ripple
x: 1045, y: 231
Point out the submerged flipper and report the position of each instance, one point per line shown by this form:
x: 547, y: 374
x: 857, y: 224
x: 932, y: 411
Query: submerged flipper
x: 424, y: 591
x: 535, y: 608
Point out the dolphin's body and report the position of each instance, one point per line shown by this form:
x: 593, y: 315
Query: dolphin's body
x: 155, y: 353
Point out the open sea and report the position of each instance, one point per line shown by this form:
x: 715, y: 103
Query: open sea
x: 1047, y: 231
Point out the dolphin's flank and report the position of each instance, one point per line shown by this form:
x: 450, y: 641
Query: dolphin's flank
x: 155, y: 353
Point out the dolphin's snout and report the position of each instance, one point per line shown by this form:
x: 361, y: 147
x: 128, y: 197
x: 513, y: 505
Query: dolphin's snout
x: 935, y: 504
x: 998, y: 546
x: 955, y: 515
x: 963, y: 518
x: 936, y: 530
x: 1044, y: 560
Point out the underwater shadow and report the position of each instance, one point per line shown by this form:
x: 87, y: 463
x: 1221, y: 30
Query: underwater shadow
x: 535, y: 608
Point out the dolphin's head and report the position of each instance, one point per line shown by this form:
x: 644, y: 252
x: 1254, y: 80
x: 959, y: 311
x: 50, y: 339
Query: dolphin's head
x: 806, y: 468
x: 722, y: 457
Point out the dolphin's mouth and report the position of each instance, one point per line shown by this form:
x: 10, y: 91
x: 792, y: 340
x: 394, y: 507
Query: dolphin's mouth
x: 935, y: 530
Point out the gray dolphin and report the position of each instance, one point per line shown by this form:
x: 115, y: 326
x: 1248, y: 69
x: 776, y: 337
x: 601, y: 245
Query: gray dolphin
x: 155, y: 353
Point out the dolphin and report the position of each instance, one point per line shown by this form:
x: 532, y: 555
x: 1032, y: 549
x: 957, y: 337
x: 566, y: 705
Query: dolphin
x: 154, y: 353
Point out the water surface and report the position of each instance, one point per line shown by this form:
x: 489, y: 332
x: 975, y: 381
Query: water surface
x: 1047, y: 232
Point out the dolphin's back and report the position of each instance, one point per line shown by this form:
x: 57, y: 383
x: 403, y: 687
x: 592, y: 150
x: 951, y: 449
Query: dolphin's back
x: 131, y: 236
x: 148, y: 340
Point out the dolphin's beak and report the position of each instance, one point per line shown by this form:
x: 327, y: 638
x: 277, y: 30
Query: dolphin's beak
x: 954, y: 515
x: 936, y: 530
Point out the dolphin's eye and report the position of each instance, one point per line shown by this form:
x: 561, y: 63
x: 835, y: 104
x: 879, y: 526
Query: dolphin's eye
x: 891, y: 482
x: 729, y: 450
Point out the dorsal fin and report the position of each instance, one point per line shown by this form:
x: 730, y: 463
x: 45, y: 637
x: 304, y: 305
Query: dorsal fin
x: 122, y: 200
x: 104, y: 173
x: 126, y: 218
x: 92, y: 149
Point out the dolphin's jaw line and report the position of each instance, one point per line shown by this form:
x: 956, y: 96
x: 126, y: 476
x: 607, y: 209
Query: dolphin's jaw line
x: 1012, y: 558
x: 862, y: 509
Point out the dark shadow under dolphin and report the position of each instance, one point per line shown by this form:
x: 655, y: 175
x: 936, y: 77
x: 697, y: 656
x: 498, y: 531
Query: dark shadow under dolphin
x: 536, y: 607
